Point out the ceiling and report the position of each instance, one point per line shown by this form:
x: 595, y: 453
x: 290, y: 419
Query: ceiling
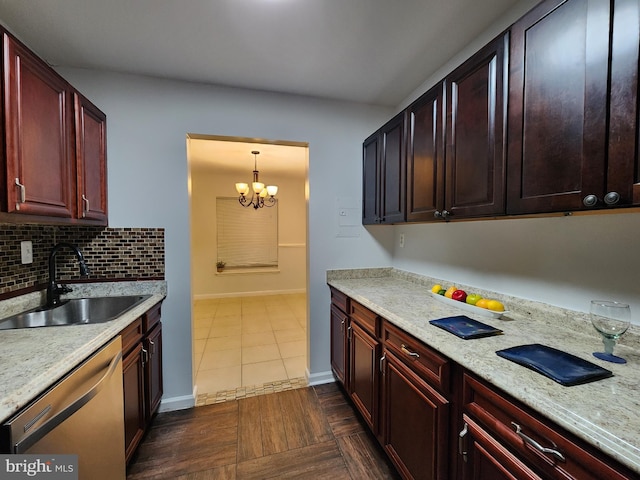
x: 369, y: 51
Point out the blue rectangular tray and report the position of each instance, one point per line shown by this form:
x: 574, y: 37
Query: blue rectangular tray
x: 465, y: 327
x: 562, y: 367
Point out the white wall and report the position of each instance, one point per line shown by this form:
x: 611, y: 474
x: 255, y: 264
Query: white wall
x: 563, y: 261
x: 148, y: 120
x: 209, y: 182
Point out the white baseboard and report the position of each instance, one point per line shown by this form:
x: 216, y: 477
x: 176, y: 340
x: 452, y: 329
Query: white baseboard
x: 319, y: 378
x: 210, y: 296
x: 178, y: 403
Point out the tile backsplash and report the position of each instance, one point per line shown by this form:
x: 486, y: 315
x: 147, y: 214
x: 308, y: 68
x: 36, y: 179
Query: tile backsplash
x: 110, y: 253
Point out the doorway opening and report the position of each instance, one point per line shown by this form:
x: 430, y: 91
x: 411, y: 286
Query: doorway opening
x: 249, y: 320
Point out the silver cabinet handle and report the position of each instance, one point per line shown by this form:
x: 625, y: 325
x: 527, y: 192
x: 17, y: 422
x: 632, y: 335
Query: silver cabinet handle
x: 85, y: 201
x: 23, y: 191
x: 406, y: 350
x: 342, y: 324
x: 153, y: 347
x: 461, y: 448
x: 349, y: 332
x: 612, y: 198
x: 437, y: 214
x: 446, y: 214
x: 590, y: 201
x: 145, y: 357
x: 527, y: 439
x: 382, y: 359
x: 69, y: 410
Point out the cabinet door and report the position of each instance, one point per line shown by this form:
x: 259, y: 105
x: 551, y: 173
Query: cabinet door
x: 134, y: 400
x: 370, y: 209
x: 557, y: 106
x: 476, y: 111
x: 425, y: 157
x: 486, y: 459
x: 393, y: 170
x: 339, y: 325
x: 91, y: 160
x: 623, y: 169
x: 153, y: 372
x: 415, y: 423
x: 38, y: 129
x: 363, y: 375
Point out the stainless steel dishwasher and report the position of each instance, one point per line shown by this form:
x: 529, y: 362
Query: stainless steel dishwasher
x: 82, y: 414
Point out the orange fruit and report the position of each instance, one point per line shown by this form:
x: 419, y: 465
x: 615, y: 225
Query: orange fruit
x: 483, y: 303
x: 450, y: 291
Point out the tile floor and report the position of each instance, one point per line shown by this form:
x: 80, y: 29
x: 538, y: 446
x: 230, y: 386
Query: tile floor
x: 245, y: 342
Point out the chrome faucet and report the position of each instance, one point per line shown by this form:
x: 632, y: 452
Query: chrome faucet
x: 53, y: 289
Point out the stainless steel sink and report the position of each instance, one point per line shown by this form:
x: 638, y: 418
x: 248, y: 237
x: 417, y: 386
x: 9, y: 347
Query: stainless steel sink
x: 74, y: 312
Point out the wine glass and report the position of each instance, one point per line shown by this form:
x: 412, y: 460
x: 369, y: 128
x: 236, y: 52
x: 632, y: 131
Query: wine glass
x: 611, y: 320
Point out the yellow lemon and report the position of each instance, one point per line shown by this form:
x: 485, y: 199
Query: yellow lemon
x: 495, y: 305
x: 482, y: 303
x: 450, y: 291
x: 436, y: 288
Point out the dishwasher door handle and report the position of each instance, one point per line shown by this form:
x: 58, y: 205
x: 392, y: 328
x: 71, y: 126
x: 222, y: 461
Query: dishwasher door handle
x: 69, y: 410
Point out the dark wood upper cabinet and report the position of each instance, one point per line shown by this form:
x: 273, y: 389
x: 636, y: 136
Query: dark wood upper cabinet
x: 37, y: 135
x: 370, y: 190
x: 54, y: 166
x: 623, y: 170
x: 384, y: 170
x: 91, y: 160
x: 558, y: 107
x: 425, y: 156
x: 475, y: 154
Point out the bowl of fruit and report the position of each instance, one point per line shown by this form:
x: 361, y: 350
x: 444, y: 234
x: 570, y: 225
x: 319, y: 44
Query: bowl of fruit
x: 471, y: 302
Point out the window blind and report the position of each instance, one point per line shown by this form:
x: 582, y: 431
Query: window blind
x: 247, y: 237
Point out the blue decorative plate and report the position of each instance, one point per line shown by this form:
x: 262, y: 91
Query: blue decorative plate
x: 465, y: 327
x: 562, y: 367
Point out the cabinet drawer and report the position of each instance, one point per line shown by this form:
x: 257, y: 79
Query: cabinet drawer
x: 151, y: 318
x: 368, y: 320
x: 423, y: 360
x: 339, y: 299
x: 501, y: 416
x: 131, y: 335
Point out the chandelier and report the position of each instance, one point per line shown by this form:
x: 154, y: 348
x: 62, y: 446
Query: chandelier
x: 262, y: 196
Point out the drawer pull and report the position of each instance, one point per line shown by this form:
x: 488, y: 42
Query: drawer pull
x: 409, y: 352
x: 461, y: 449
x: 536, y: 445
x: 382, y: 359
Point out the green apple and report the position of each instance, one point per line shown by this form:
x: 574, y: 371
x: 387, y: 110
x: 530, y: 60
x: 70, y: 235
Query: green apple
x: 473, y: 298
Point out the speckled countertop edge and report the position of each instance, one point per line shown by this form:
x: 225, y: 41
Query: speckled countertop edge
x: 33, y: 359
x: 603, y: 413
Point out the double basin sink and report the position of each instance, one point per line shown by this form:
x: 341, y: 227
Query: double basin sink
x: 76, y: 311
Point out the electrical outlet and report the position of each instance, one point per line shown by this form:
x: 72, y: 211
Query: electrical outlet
x: 26, y: 251
x: 402, y: 240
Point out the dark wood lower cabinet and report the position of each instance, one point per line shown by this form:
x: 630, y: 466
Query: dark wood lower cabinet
x: 153, y: 372
x: 142, y: 376
x: 364, y: 355
x: 133, y: 386
x: 438, y: 421
x: 487, y: 459
x: 415, y: 416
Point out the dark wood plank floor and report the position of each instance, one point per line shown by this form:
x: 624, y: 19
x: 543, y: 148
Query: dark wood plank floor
x: 305, y: 433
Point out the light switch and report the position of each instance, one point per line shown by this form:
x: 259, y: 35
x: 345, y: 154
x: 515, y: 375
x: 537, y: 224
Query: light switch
x: 26, y: 250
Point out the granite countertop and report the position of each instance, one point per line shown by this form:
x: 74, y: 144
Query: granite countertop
x: 604, y: 413
x: 33, y: 359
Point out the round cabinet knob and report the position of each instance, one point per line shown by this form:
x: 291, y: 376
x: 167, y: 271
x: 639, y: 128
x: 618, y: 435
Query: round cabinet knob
x: 590, y: 201
x: 445, y: 214
x: 437, y: 214
x: 612, y: 198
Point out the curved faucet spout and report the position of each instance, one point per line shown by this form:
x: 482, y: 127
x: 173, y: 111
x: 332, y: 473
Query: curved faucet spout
x: 53, y: 289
